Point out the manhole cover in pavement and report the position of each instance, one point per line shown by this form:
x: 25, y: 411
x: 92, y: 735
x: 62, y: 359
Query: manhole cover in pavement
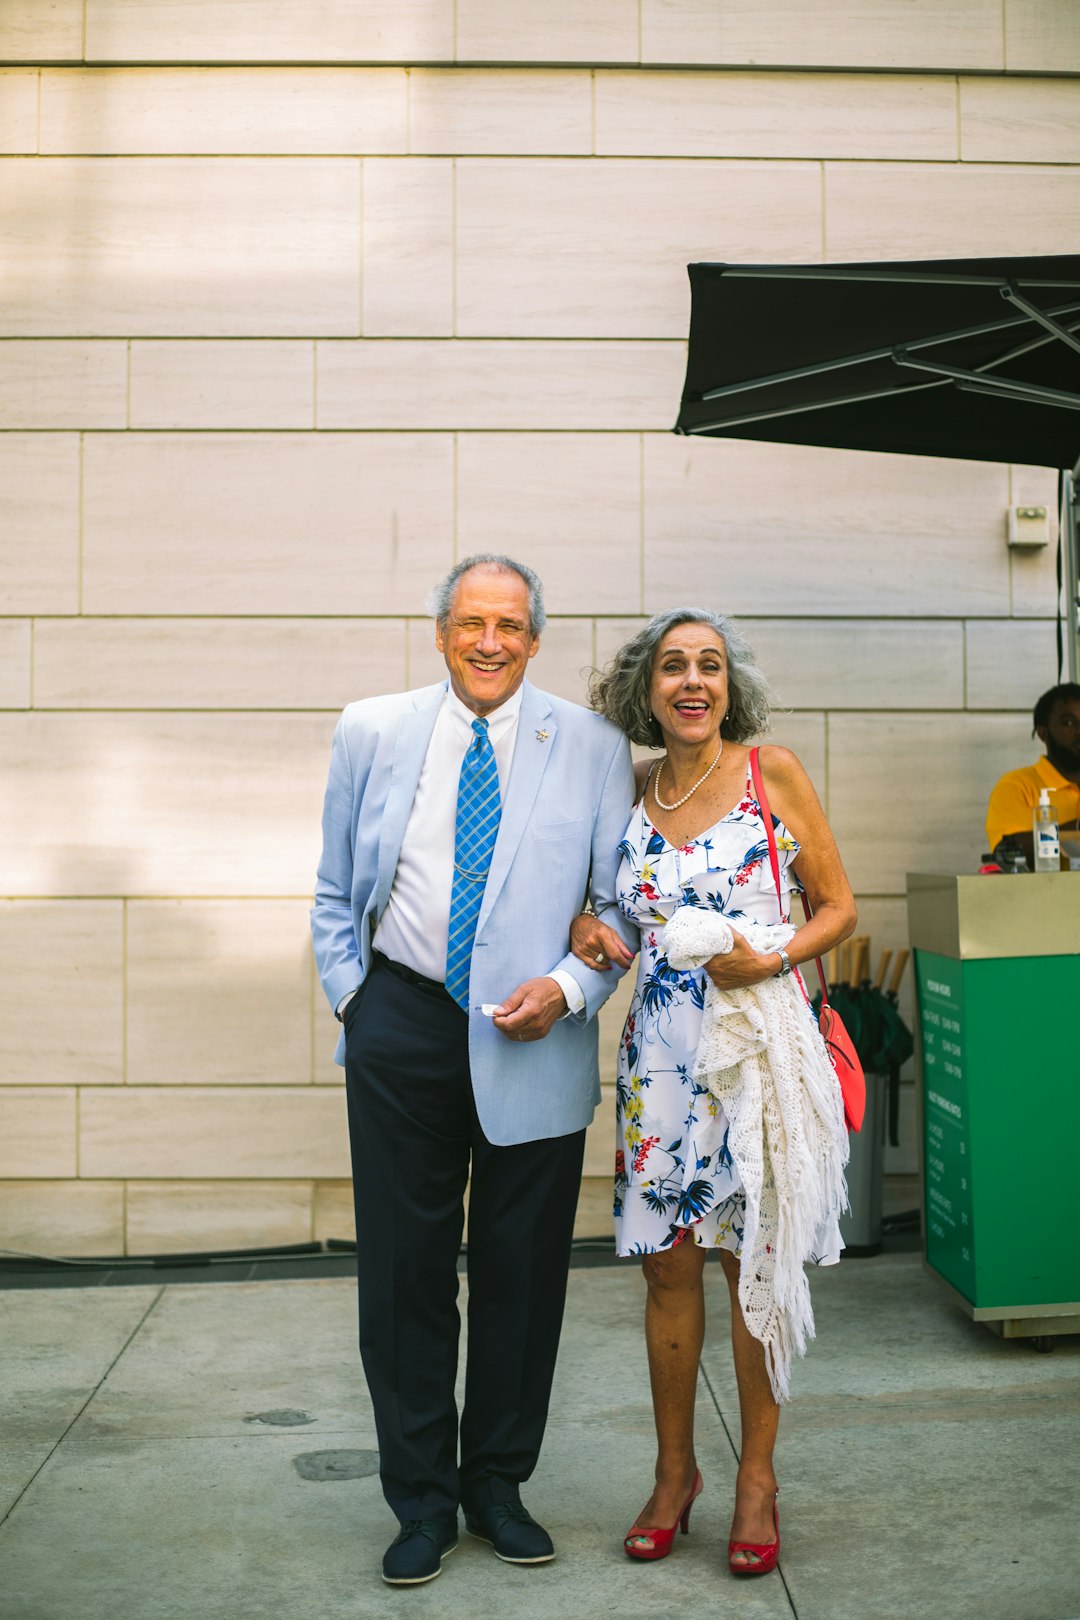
x: 285, y: 1417
x: 336, y: 1464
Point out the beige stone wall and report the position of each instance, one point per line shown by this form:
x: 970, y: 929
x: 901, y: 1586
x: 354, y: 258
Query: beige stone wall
x: 304, y: 299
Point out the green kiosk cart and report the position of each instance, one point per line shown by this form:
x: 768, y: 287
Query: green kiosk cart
x: 997, y: 970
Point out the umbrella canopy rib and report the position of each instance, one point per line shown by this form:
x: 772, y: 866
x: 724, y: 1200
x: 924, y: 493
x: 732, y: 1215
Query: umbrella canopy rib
x: 1001, y: 390
x: 990, y: 385
x: 814, y: 405
x: 1045, y: 317
x: 849, y: 272
x: 868, y: 355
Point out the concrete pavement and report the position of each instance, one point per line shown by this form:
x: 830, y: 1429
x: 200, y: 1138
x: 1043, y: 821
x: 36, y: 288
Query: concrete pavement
x: 207, y: 1452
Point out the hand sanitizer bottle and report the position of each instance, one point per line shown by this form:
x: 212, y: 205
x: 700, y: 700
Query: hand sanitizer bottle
x: 1045, y: 829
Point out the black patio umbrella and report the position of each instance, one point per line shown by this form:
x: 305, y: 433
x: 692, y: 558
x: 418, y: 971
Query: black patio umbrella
x: 970, y: 358
x: 973, y: 358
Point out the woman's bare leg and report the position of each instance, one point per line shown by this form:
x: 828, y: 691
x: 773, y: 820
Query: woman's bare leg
x: 759, y: 1415
x: 674, y: 1332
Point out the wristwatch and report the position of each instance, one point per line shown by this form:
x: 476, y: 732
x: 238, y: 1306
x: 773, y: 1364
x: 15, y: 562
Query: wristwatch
x: 785, y: 966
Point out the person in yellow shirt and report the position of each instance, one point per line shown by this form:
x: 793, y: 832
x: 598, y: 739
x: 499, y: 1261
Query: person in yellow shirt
x: 1012, y: 803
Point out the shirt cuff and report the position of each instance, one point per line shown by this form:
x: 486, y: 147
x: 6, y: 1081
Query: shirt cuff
x: 344, y: 1002
x: 575, y: 995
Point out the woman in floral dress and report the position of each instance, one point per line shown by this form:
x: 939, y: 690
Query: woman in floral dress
x: 687, y: 682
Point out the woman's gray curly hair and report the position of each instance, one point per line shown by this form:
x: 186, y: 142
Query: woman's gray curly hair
x: 621, y: 692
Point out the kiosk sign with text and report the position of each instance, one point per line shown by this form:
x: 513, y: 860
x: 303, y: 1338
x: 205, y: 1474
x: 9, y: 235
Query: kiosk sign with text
x: 950, y: 1238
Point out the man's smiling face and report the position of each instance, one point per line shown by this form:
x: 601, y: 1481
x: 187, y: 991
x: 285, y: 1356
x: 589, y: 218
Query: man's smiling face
x: 487, y: 642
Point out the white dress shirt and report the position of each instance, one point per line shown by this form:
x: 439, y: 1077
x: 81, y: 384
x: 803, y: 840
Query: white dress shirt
x: 415, y: 924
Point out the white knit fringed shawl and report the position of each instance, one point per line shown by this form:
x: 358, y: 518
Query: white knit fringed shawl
x: 760, y: 1054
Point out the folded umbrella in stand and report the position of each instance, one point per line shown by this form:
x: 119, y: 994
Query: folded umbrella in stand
x: 871, y: 1024
x: 879, y: 1035
x: 842, y: 996
x: 896, y: 1047
x: 897, y: 1044
x: 876, y: 998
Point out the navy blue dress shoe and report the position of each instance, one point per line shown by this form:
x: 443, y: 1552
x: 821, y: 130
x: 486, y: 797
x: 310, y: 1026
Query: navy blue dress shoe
x: 512, y: 1531
x: 417, y: 1552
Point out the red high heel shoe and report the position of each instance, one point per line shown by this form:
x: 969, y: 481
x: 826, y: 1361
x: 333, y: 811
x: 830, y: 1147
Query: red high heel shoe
x: 661, y: 1538
x: 767, y: 1552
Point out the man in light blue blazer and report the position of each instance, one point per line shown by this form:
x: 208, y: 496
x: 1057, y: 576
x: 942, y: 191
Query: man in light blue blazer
x: 465, y: 824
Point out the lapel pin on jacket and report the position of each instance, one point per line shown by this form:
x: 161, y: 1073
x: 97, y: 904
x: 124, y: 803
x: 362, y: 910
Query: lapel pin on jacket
x: 541, y: 736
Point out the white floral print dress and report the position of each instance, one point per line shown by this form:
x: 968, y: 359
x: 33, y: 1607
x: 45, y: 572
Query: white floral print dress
x: 673, y: 1171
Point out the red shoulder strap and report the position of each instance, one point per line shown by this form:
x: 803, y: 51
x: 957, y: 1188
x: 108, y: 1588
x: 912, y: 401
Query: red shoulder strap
x: 766, y: 816
x: 770, y: 834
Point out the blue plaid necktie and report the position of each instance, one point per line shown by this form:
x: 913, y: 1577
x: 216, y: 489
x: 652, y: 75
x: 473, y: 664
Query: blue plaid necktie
x: 475, y: 831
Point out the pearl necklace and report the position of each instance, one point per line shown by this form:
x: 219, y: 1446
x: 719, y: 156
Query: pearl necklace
x: 693, y: 790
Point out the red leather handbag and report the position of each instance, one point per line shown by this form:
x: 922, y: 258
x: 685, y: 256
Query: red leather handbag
x: 842, y: 1053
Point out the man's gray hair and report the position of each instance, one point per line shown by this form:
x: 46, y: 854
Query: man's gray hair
x: 621, y: 692
x: 441, y: 600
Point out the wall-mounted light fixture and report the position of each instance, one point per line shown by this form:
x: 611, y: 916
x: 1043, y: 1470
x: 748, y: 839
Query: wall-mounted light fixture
x: 1028, y: 527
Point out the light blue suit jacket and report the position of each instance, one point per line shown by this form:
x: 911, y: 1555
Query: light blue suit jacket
x: 565, y: 810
